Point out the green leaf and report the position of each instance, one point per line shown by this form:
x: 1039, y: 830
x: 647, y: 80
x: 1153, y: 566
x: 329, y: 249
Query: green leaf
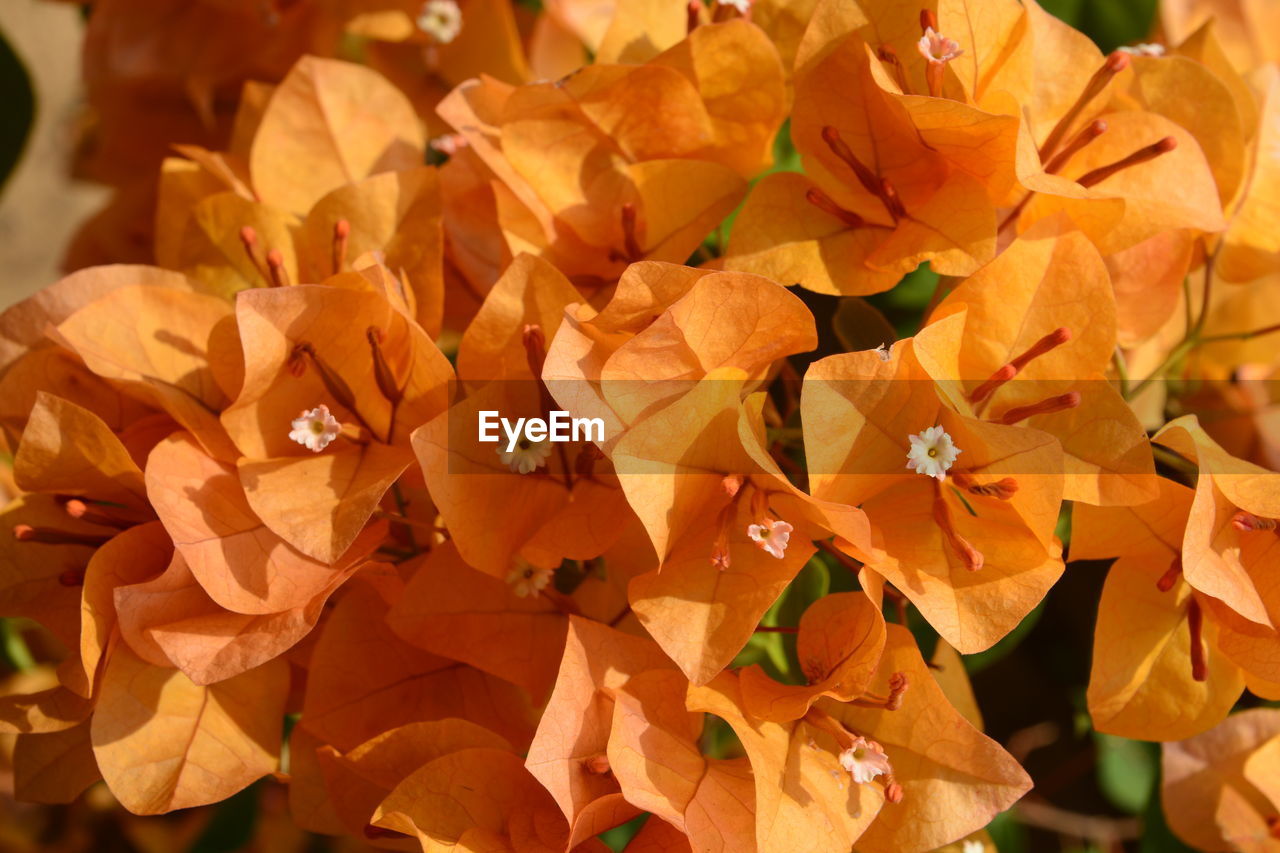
x: 19, y: 108
x: 903, y: 305
x: 775, y: 652
x: 13, y: 648
x: 1127, y: 771
x: 620, y: 836
x: 1009, y: 835
x: 1110, y: 23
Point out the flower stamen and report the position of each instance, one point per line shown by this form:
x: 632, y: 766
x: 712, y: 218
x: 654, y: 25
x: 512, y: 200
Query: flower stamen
x: 970, y: 556
x: 1171, y: 575
x: 632, y: 251
x: 879, y: 187
x: 824, y: 202
x: 341, y: 233
x: 1047, y: 406
x: 1003, y: 489
x: 97, y: 514
x: 53, y: 536
x: 1116, y: 62
x: 1142, y: 155
x: 890, y: 57
x: 1195, y: 622
x: 1247, y: 522
x: 275, y: 266
x: 1090, y: 132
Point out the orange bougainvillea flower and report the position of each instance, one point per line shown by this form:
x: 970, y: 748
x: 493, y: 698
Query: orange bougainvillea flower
x: 839, y: 645
x: 163, y: 742
x: 554, y: 502
x: 1122, y: 166
x: 968, y: 537
x: 648, y: 345
x: 324, y: 168
x: 1239, y: 25
x: 601, y: 197
x: 428, y: 48
x: 276, y: 488
x: 901, y: 166
x: 1219, y: 788
x: 354, y: 353
x: 932, y: 748
x: 569, y: 751
x: 1036, y: 352
x: 1250, y: 249
x: 730, y: 529
x: 1158, y: 672
x: 1230, y: 548
x: 161, y: 344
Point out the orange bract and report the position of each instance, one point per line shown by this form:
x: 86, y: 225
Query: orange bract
x: 277, y: 521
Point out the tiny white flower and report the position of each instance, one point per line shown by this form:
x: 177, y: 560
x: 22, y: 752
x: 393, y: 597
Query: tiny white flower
x: 974, y: 846
x: 449, y: 143
x: 884, y: 352
x: 526, y: 457
x: 932, y: 452
x: 1148, y: 49
x: 527, y: 579
x: 743, y: 6
x: 440, y: 19
x: 936, y: 47
x: 315, y: 429
x: 865, y: 760
x: 772, y: 536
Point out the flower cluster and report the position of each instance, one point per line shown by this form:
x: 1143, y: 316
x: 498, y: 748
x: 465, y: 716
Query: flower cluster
x: 248, y: 498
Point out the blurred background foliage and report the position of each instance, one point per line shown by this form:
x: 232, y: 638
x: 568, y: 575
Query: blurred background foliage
x: 1094, y: 793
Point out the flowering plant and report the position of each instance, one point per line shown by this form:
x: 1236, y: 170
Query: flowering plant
x: 822, y: 336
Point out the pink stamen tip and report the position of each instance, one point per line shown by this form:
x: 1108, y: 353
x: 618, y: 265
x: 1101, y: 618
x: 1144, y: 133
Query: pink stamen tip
x: 1060, y: 403
x: 1170, y: 577
x: 1118, y: 61
x: 1048, y: 343
x: 986, y: 389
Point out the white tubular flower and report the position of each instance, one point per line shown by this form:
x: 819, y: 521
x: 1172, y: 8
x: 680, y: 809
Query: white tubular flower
x: 932, y: 452
x: 936, y: 47
x: 974, y: 846
x: 772, y: 536
x: 440, y: 19
x: 526, y: 457
x: 1147, y: 49
x: 527, y: 579
x: 315, y: 429
x: 865, y: 760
